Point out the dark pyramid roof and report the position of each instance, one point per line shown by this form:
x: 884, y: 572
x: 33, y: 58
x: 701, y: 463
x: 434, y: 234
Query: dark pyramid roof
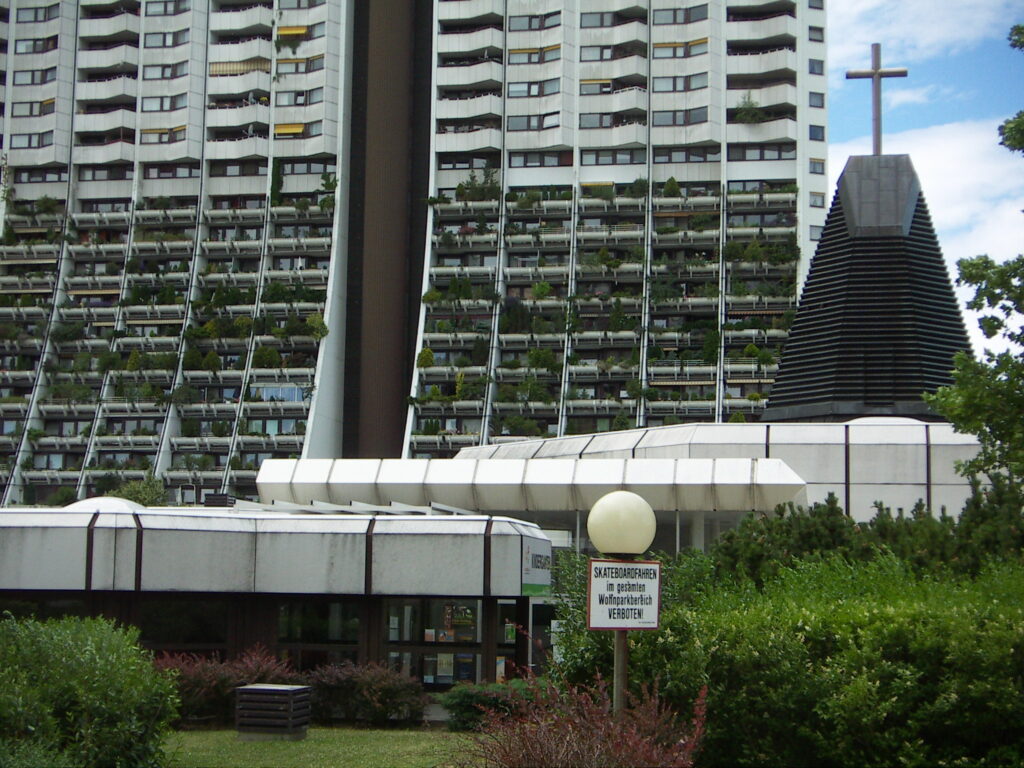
x: 877, y: 323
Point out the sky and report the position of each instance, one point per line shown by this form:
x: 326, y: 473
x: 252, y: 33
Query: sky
x: 963, y: 81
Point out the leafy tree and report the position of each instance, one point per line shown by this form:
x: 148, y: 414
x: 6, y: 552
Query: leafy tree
x: 149, y: 492
x: 986, y: 398
x: 1011, y: 132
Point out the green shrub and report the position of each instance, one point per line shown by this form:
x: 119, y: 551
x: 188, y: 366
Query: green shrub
x: 82, y: 687
x: 468, y: 703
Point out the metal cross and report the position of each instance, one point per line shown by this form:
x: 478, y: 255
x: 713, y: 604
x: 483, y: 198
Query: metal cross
x: 876, y: 73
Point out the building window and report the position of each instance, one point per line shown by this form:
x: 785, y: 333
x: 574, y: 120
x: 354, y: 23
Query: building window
x: 816, y: 66
x: 166, y: 7
x: 525, y: 23
x: 163, y: 103
x: 817, y: 199
x: 171, y: 171
x: 533, y: 122
x: 816, y: 4
x: 287, y: 4
x: 687, y: 155
x: 35, y: 76
x: 298, y: 130
x: 166, y: 39
x: 31, y: 140
x: 535, y: 88
x: 817, y: 166
x: 241, y: 168
x: 606, y: 19
x: 613, y: 156
x: 680, y: 83
x: 816, y: 34
x: 294, y: 167
x: 596, y: 120
x: 36, y: 45
x: 162, y: 135
x: 32, y: 108
x: 535, y: 55
x: 104, y: 172
x: 594, y: 87
x: 816, y: 232
x: 815, y: 99
x: 539, y: 159
x: 299, y: 98
x: 595, y: 53
x: 762, y: 151
x: 165, y: 71
x: 680, y: 50
x: 449, y: 162
x: 38, y: 13
x: 680, y: 117
x: 681, y: 15
x: 817, y: 133
x: 299, y: 66
x: 39, y: 175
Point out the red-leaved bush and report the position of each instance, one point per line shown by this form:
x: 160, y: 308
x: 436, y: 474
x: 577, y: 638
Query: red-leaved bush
x: 206, y: 686
x: 552, y: 728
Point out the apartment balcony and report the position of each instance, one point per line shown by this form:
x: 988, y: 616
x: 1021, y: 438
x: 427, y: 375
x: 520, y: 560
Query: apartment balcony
x: 311, y: 277
x: 560, y: 136
x: 138, y: 313
x: 250, y: 18
x: 599, y: 407
x: 629, y: 135
x: 312, y: 213
x: 17, y: 410
x: 120, y: 56
x: 271, y: 442
x: 772, y: 304
x: 127, y: 441
x: 435, y: 373
x: 24, y: 315
x: 237, y: 116
x: 484, y: 73
x: 116, y: 151
x: 243, y: 215
x: 487, y: 38
x: 444, y: 442
x: 256, y: 47
x: 559, y: 274
x: 26, y: 284
x: 450, y: 408
x: 610, y: 234
x: 18, y: 378
x: 238, y: 149
x: 84, y: 220
x: 261, y: 408
x: 758, y: 63
x: 697, y: 408
x: 123, y: 406
x: 477, y: 273
x: 286, y: 245
x: 456, y: 340
x: 205, y: 445
x: 683, y: 371
x: 29, y: 253
x: 117, y: 87
x: 121, y: 25
x: 467, y: 10
x: 782, y: 26
x: 148, y: 375
x: 468, y: 141
x: 154, y: 247
x: 238, y: 85
x: 105, y: 121
x: 626, y: 66
x: 218, y: 411
x: 753, y: 200
x: 782, y: 129
x: 749, y: 368
x: 685, y: 236
x: 477, y: 106
x: 770, y: 96
x: 633, y: 98
x: 165, y: 215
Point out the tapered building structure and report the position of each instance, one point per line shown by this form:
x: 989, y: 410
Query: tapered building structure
x: 624, y: 199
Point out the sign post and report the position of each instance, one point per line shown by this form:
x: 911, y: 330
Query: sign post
x: 622, y: 594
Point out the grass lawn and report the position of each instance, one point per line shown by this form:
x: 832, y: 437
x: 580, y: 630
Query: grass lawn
x: 322, y: 748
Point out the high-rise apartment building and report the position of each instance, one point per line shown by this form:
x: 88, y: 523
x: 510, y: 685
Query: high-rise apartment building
x: 624, y: 200
x: 205, y: 211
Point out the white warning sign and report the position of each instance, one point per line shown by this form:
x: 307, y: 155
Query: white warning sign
x: 623, y: 594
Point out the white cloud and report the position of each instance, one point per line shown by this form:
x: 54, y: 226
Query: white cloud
x: 973, y: 186
x: 911, y: 30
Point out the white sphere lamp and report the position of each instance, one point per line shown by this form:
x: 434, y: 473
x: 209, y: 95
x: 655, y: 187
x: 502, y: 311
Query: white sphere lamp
x: 621, y: 523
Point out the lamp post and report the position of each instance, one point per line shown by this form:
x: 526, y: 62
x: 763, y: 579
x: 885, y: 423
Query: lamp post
x: 621, y: 525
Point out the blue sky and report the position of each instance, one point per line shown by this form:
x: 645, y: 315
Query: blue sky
x: 964, y: 79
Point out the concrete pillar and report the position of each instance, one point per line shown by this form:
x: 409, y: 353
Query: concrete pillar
x: 697, y: 531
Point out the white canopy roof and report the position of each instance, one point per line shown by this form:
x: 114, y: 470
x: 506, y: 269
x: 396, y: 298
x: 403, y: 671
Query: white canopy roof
x: 539, y: 485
